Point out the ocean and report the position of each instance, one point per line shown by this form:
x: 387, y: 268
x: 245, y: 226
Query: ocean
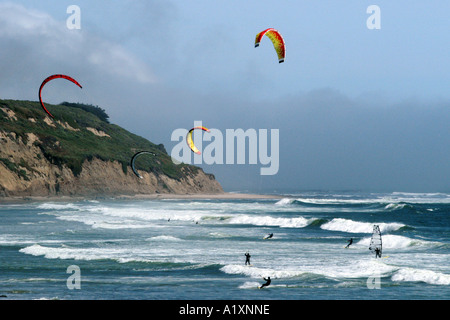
x: 185, y: 249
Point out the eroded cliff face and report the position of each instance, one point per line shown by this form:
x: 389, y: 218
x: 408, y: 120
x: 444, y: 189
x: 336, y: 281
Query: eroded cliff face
x: 24, y: 171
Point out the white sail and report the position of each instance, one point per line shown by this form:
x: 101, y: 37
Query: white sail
x: 376, y: 245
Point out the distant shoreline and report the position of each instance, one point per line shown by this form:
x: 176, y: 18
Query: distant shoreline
x: 156, y: 196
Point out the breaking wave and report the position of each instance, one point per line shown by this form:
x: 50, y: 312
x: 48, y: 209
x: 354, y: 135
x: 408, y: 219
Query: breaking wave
x: 421, y: 275
x: 345, y: 225
x: 400, y: 242
x: 297, y: 222
x: 164, y: 238
x: 255, y: 272
x: 75, y: 253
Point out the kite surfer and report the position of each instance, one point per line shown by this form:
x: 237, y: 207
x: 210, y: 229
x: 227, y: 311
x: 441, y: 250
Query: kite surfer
x: 247, y: 258
x: 268, y: 236
x: 268, y: 281
x: 349, y: 242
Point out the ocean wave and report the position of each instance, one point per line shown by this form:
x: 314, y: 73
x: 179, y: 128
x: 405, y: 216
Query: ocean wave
x: 255, y: 285
x: 400, y: 242
x: 220, y: 235
x: 164, y: 238
x: 354, y: 270
x: 87, y: 254
x: 151, y: 255
x: 317, y: 222
x: 398, y: 206
x: 321, y: 201
x: 142, y: 214
x: 284, y: 202
x: 410, y: 197
x: 58, y: 206
x: 61, y: 253
x: 297, y: 222
x: 255, y: 272
x: 249, y: 285
x: 104, y: 222
x: 388, y: 200
x: 345, y: 225
x: 421, y: 275
x: 15, y: 240
x: 147, y: 218
x: 29, y: 280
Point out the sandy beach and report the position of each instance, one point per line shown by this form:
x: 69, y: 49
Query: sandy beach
x: 225, y: 195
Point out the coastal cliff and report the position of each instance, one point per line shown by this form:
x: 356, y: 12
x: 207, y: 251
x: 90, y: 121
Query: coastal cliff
x: 80, y: 154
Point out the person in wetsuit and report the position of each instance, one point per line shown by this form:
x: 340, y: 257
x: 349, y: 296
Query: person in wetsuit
x: 349, y: 242
x: 268, y: 281
x: 247, y: 258
x: 377, y: 253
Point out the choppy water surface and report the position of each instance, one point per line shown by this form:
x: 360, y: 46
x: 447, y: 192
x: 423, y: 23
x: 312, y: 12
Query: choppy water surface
x: 194, y: 249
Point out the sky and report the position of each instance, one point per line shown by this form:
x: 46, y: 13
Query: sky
x: 356, y: 108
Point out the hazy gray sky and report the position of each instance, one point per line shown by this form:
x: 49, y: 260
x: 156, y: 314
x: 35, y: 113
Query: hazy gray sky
x: 356, y: 108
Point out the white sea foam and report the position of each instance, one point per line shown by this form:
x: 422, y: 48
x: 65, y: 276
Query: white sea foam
x: 249, y: 285
x: 284, y: 202
x: 355, y: 269
x: 345, y: 225
x: 393, y: 198
x: 104, y: 222
x: 62, y: 252
x: 57, y: 206
x: 256, y: 272
x: 396, y: 206
x: 164, y: 238
x: 298, y: 222
x: 299, y: 255
x: 358, y: 269
x: 220, y: 235
x: 210, y: 217
x: 139, y: 216
x: 135, y: 218
x: 421, y: 275
x: 419, y: 197
x: 391, y: 241
x: 325, y: 201
x: 13, y: 240
x: 121, y: 255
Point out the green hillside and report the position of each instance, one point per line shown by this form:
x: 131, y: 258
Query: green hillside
x: 66, y: 140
